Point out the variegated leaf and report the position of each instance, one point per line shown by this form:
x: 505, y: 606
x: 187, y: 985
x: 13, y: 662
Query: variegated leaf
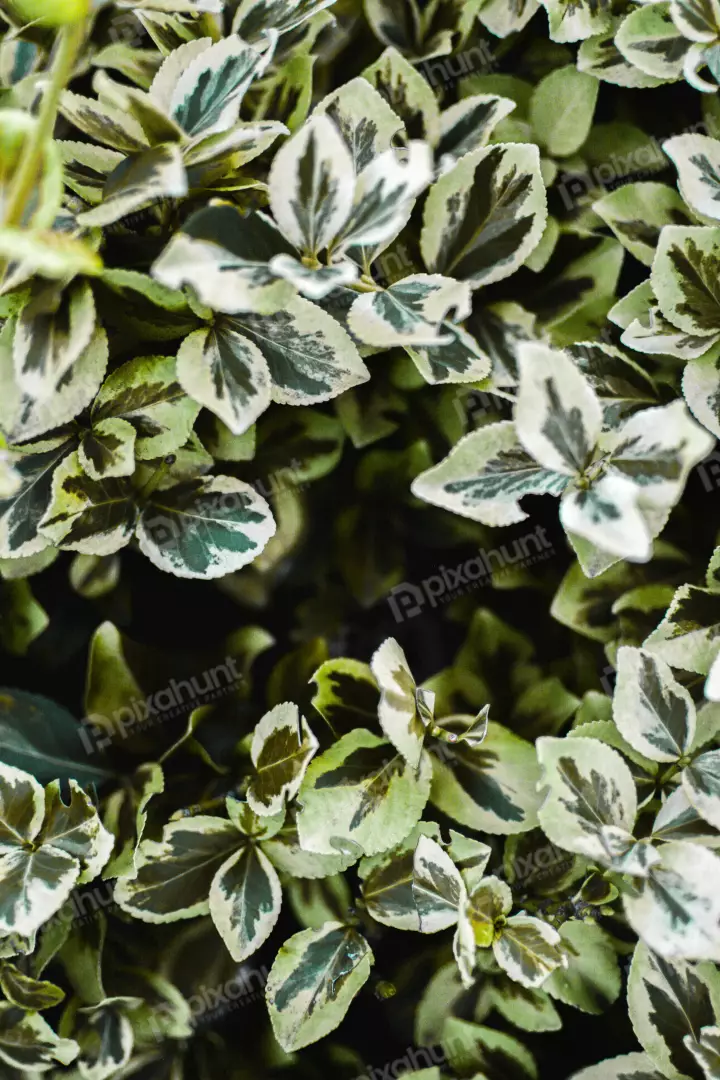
x: 96, y: 517
x: 573, y: 20
x: 489, y: 901
x: 438, y: 889
x: 287, y: 855
x: 459, y: 359
x: 407, y: 93
x: 701, y: 389
x: 473, y: 1050
x: 281, y: 750
x: 650, y: 708
x: 503, y: 20
x: 314, y: 282
x: 649, y: 40
x: 310, y: 357
x: 313, y: 981
x: 492, y: 787
x: 363, y: 118
x: 701, y: 784
x: 360, y: 796
x: 311, y: 185
x: 655, y: 449
x: 28, y: 1043
x: 411, y: 312
x: 669, y: 1000
x: 485, y: 475
x: 245, y: 899
x: 484, y: 217
x: 75, y: 828
x: 385, y: 192
x: 253, y: 17
x: 676, y: 911
x: 590, y: 799
x: 52, y: 332
x: 224, y: 256
x: 103, y: 122
x: 174, y: 875
x: 139, y: 180
x: 685, y: 278
x: 468, y: 125
x: 225, y: 372
x: 21, y: 512
x: 108, y: 449
x: 697, y: 160
x: 627, y: 1067
x: 146, y: 393
x: 636, y: 213
x: 243, y: 142
x: 206, y: 97
x: 528, y: 950
x: 403, y: 712
x: 205, y: 528
x: 558, y: 417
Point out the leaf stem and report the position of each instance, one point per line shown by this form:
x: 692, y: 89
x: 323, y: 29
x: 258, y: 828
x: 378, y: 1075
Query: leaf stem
x: 69, y: 42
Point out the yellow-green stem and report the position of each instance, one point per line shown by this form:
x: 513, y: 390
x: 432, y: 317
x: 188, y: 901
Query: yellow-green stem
x: 69, y: 41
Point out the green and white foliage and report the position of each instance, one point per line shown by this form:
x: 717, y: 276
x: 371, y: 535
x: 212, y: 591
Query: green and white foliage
x: 281, y: 282
x: 48, y: 846
x: 617, y: 486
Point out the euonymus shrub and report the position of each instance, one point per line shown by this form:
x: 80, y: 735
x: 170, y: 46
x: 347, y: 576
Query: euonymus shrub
x: 291, y: 293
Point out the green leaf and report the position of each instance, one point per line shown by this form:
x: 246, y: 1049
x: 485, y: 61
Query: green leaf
x: 313, y: 981
x: 484, y: 217
x: 205, y: 528
x: 28, y: 993
x: 474, y: 1050
x: 360, y: 796
x: 245, y: 899
x: 590, y: 980
x: 174, y: 875
x: 491, y: 788
x: 561, y: 110
x: 281, y: 750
